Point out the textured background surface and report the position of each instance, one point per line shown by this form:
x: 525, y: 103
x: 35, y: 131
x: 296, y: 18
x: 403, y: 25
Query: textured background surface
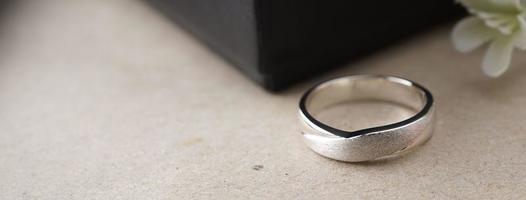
x: 109, y: 100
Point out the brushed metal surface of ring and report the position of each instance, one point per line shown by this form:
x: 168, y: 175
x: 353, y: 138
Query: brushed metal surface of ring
x: 372, y: 143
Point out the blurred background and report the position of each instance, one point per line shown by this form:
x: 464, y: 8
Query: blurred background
x: 120, y: 100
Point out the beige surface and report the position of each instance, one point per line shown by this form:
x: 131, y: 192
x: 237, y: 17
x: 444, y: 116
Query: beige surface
x: 109, y: 100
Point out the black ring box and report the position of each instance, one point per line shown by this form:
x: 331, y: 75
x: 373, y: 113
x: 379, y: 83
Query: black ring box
x: 280, y: 42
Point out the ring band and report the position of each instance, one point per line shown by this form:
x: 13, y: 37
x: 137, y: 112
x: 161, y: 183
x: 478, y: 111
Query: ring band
x: 372, y: 143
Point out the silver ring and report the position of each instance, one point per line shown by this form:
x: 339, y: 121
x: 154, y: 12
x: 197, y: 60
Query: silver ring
x: 386, y: 141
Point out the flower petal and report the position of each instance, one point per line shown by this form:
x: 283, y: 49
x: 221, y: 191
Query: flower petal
x: 498, y: 56
x: 471, y: 33
x: 501, y: 6
x: 520, y: 36
x: 505, y: 23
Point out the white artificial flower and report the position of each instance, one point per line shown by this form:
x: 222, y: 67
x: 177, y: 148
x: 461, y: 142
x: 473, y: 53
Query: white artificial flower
x: 501, y: 23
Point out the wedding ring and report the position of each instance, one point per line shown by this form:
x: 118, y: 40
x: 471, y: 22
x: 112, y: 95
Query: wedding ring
x: 372, y: 143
